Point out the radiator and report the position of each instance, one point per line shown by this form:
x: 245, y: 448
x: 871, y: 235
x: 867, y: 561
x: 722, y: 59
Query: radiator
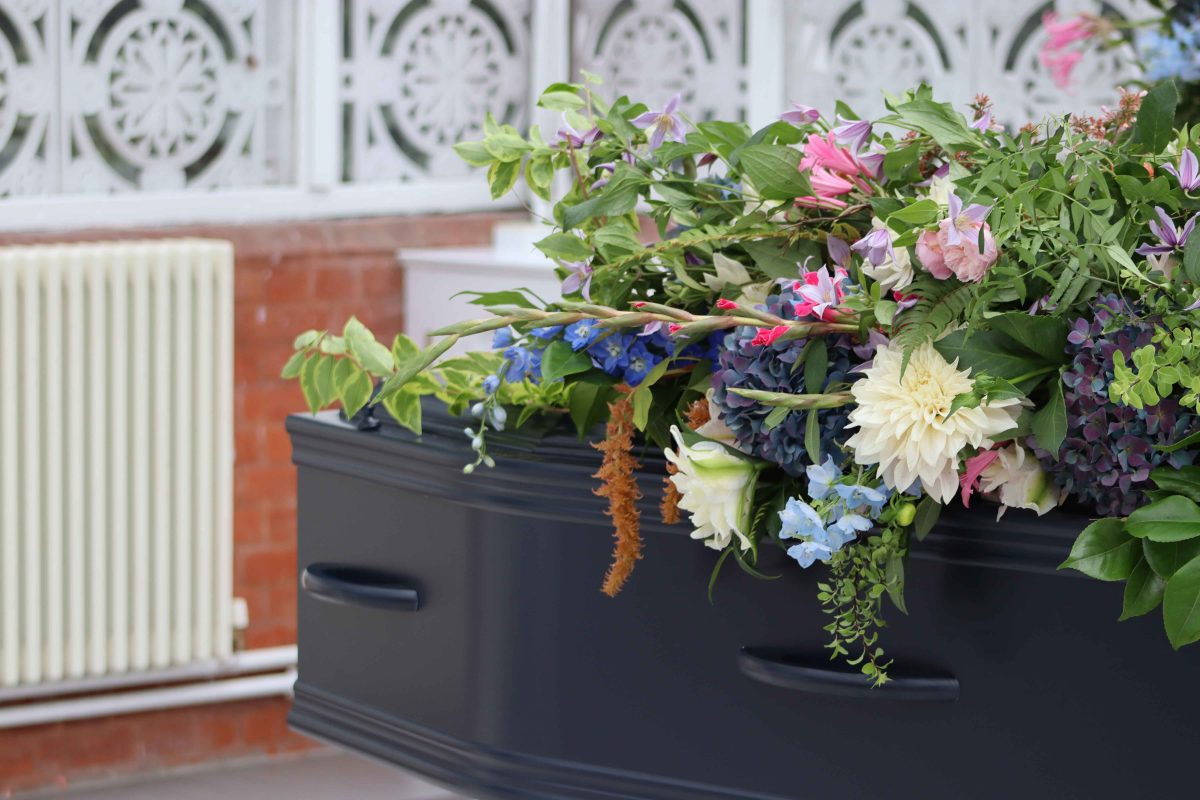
x: 116, y: 456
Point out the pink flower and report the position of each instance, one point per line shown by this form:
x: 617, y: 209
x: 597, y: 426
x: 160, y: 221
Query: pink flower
x: 953, y: 249
x: 766, y: 336
x: 1058, y: 53
x: 970, y: 477
x: 726, y: 305
x: 822, y: 293
x: 824, y: 152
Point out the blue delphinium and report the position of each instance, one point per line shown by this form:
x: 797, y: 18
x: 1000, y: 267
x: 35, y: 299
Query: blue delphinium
x: 611, y: 353
x: 772, y: 368
x: 1175, y: 55
x: 641, y: 361
x: 837, y: 510
x: 521, y: 363
x: 581, y: 334
x: 1109, y: 451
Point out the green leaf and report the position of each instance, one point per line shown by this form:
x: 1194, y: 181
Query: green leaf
x: 642, y: 398
x: 564, y: 247
x: 919, y: 213
x: 323, y: 380
x: 1043, y: 336
x: 1104, y: 551
x: 1143, y: 591
x: 928, y: 511
x: 372, y: 355
x: 474, y: 153
x: 940, y: 121
x: 588, y: 405
x: 620, y: 196
x: 1050, y: 421
x: 1191, y: 259
x: 774, y: 170
x: 812, y: 436
x: 405, y: 408
x: 306, y: 339
x: 615, y: 240
x: 1181, y: 605
x: 403, y: 348
x: 816, y: 364
x: 294, y: 365
x: 354, y: 388
x: 1186, y: 441
x: 988, y: 351
x: 561, y: 100
x: 308, y: 385
x: 779, y: 259
x: 506, y: 297
x: 502, y: 177
x: 559, y: 361
x: 1165, y: 558
x: 1182, y: 480
x: 1172, y: 519
x: 1156, y: 115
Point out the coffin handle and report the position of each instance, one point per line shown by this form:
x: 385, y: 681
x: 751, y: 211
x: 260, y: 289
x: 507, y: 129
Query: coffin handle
x: 775, y: 667
x: 360, y: 587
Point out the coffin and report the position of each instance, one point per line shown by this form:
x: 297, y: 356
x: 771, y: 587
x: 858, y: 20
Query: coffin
x: 453, y: 625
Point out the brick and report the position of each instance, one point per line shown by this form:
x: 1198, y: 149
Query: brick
x: 281, y: 526
x: 268, y: 566
x: 258, y: 483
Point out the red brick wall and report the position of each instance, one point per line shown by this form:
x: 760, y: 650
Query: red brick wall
x: 288, y: 277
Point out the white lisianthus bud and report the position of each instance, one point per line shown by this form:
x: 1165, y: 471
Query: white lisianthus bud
x: 717, y: 489
x: 1018, y: 481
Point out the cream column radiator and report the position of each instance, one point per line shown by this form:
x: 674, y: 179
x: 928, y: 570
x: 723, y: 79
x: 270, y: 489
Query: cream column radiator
x: 116, y: 455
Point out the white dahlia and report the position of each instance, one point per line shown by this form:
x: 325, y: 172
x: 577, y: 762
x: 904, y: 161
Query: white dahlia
x: 717, y: 489
x: 905, y: 426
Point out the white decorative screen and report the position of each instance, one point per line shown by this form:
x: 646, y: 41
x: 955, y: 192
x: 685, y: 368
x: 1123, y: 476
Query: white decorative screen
x: 853, y: 49
x: 144, y: 95
x: 653, y: 49
x: 419, y: 75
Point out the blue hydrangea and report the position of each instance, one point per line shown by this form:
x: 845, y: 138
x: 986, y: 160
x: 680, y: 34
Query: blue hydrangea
x: 744, y: 365
x: 1108, y: 453
x: 1175, y: 55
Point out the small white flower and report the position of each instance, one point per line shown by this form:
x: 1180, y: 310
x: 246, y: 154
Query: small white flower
x: 715, y: 428
x: 717, y: 489
x: 904, y: 421
x: 895, y: 272
x: 940, y: 189
x: 1019, y: 482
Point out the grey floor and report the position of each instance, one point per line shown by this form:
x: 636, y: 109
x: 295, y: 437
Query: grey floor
x: 326, y: 776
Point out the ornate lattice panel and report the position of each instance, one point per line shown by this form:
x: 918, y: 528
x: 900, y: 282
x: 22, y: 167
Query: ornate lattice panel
x: 853, y: 49
x: 420, y: 75
x: 144, y: 95
x: 653, y: 49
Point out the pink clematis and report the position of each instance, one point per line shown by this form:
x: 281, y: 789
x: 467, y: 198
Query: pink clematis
x: 821, y: 292
x: 1059, y: 53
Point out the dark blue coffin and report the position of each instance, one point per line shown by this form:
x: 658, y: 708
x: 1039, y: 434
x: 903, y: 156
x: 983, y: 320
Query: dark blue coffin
x: 453, y: 625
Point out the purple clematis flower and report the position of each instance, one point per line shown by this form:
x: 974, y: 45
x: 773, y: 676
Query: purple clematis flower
x: 663, y: 125
x: 984, y: 123
x: 576, y: 139
x: 875, y: 247
x: 973, y: 213
x: 800, y: 115
x: 852, y: 133
x: 580, y: 280
x: 1188, y: 172
x: 1170, y: 238
x: 839, y: 252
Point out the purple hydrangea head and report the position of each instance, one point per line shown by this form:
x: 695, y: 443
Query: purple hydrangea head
x: 744, y: 365
x: 1107, y: 456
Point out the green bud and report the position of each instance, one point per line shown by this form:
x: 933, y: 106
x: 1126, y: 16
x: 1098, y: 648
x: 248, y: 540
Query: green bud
x: 906, y: 514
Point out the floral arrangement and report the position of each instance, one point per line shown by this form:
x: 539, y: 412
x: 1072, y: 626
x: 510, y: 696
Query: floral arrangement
x: 834, y: 327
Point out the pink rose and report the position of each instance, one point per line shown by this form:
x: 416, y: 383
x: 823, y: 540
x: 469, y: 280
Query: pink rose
x: 953, y: 249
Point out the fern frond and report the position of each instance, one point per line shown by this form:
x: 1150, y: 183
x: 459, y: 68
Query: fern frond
x: 941, y: 306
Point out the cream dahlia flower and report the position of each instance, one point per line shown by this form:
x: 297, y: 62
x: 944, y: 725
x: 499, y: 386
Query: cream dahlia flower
x: 905, y: 426
x: 1018, y: 481
x: 717, y: 489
